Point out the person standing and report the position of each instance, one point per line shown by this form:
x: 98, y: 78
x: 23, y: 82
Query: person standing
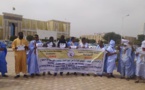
x: 62, y: 44
x: 72, y: 44
x: 50, y: 44
x: 19, y: 46
x: 101, y: 46
x: 32, y: 57
x: 3, y: 63
x: 140, y: 55
x: 126, y: 64
x: 84, y: 44
x: 111, y: 58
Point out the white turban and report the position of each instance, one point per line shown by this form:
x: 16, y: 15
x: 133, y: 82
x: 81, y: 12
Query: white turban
x: 125, y: 44
x: 124, y: 41
x: 143, y: 44
x: 112, y: 43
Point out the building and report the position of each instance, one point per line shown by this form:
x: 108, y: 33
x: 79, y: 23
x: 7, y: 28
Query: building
x: 96, y: 36
x: 131, y: 39
x: 11, y: 24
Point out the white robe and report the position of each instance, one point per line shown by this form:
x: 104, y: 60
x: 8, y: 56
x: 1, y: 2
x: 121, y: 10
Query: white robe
x: 111, y: 65
x: 32, y: 58
x: 140, y: 62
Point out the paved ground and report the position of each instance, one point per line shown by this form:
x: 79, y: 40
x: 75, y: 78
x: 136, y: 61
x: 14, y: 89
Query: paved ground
x: 64, y: 82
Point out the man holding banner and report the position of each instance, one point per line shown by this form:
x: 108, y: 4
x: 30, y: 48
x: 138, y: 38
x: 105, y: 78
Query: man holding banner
x: 83, y: 44
x: 50, y: 44
x: 32, y: 57
x: 62, y: 44
x: 20, y: 45
x: 72, y: 44
x: 111, y: 58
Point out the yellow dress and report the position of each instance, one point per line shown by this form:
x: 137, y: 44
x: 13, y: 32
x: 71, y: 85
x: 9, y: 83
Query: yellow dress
x: 20, y: 56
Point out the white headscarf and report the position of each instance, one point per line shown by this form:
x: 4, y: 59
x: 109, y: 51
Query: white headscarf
x: 112, y: 43
x: 143, y: 44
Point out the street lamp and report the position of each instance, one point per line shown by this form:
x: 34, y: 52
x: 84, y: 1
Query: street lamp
x: 123, y: 23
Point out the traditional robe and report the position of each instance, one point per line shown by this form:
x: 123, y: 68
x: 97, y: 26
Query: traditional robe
x: 111, y: 65
x: 103, y: 48
x: 81, y: 45
x: 20, y: 56
x: 61, y: 42
x: 70, y: 43
x: 3, y: 63
x: 139, y: 62
x: 32, y: 58
x: 127, y: 63
x: 119, y: 60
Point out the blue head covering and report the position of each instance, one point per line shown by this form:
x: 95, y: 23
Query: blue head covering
x: 112, y: 43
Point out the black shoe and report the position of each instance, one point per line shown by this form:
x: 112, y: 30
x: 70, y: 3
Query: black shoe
x: 88, y: 74
x: 95, y: 75
x: 67, y: 73
x: 112, y: 76
x: 5, y: 76
x: 37, y: 75
x: 127, y: 79
x: 43, y: 74
x: 108, y: 76
x: 17, y: 76
x: 137, y: 81
x: 121, y: 77
x: 83, y: 74
x: 25, y: 76
x: 75, y: 73
x: 55, y: 74
x: 32, y: 75
x: 49, y: 73
x: 61, y: 73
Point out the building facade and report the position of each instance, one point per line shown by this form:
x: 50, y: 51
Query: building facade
x: 96, y: 36
x: 11, y: 24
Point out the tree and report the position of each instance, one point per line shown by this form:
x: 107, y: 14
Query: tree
x: 29, y: 37
x: 12, y: 38
x: 112, y: 36
x: 91, y: 41
x: 141, y: 37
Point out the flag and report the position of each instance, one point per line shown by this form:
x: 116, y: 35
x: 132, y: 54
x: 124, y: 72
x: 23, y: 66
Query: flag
x: 13, y: 8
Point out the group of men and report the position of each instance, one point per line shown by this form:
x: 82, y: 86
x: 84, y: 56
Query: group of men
x: 26, y: 56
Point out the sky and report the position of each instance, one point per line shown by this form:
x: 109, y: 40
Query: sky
x: 86, y: 16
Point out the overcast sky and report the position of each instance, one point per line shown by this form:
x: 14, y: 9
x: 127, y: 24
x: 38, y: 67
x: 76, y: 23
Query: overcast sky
x: 86, y: 16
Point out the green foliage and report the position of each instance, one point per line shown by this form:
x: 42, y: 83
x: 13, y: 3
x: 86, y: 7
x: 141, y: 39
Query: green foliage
x: 141, y: 37
x: 12, y: 38
x: 137, y: 42
x: 44, y: 40
x: 29, y: 37
x: 91, y: 41
x: 111, y: 35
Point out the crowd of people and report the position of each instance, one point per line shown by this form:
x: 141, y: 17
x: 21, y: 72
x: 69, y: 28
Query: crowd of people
x: 129, y: 60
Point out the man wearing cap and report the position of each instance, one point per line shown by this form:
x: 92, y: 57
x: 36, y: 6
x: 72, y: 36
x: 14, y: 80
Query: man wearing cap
x: 140, y: 54
x: 111, y: 58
